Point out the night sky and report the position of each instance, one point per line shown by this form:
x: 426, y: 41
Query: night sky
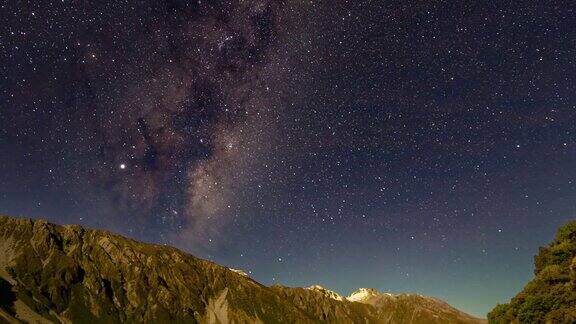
x: 409, y: 146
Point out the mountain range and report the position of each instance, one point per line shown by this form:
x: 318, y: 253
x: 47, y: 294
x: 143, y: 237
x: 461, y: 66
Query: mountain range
x: 67, y: 274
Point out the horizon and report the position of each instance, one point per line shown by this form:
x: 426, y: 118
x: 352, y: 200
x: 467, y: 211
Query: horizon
x: 474, y: 308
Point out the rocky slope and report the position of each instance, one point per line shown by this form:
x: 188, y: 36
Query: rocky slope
x: 551, y: 296
x: 52, y: 274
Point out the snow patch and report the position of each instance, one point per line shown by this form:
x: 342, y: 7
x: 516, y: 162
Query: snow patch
x: 362, y: 294
x: 240, y: 272
x: 326, y: 292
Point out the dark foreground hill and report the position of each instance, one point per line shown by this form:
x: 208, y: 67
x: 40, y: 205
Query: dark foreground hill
x: 51, y: 273
x: 551, y: 296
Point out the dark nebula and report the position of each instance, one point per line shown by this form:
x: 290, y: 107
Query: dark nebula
x: 152, y: 101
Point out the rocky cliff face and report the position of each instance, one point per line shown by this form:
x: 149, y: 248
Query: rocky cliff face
x: 52, y: 274
x: 551, y: 296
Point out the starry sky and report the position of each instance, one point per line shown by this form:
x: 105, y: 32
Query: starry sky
x: 409, y: 146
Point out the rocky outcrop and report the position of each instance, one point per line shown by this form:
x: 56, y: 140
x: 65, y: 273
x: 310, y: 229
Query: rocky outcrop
x: 61, y: 274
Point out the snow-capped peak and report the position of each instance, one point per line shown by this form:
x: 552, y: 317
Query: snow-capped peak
x: 240, y: 272
x: 326, y: 292
x: 362, y: 294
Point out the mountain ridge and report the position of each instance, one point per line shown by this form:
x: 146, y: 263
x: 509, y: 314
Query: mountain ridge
x: 64, y: 273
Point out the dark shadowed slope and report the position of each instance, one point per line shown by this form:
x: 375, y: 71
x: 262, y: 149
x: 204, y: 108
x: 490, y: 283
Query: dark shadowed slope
x: 51, y: 273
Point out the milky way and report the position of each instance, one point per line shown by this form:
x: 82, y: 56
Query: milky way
x: 168, y: 103
x: 403, y: 145
x: 180, y: 127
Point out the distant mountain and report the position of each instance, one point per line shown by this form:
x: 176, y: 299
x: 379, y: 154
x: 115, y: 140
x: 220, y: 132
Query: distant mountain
x: 63, y: 274
x: 551, y: 296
